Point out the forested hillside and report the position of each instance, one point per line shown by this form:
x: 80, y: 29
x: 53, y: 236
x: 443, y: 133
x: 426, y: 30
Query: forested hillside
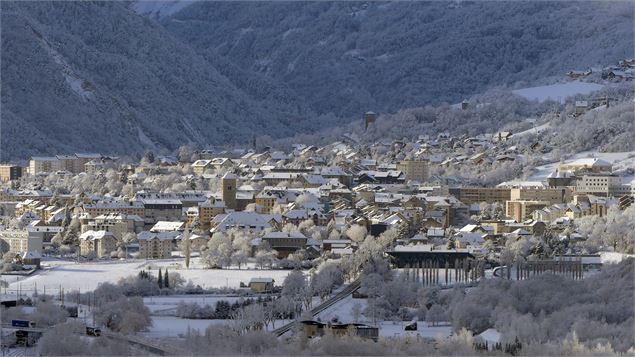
x: 98, y: 76
x: 349, y: 57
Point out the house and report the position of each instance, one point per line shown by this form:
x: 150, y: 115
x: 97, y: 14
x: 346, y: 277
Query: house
x: 250, y: 221
x: 355, y: 330
x: 30, y: 258
x: 579, y: 74
x: 197, y: 242
x: 199, y: 166
x: 261, y: 285
x: 101, y: 243
x: 586, y: 165
x: 285, y: 243
x: 313, y: 329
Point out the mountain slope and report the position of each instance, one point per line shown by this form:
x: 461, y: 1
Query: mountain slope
x: 349, y: 57
x: 97, y: 76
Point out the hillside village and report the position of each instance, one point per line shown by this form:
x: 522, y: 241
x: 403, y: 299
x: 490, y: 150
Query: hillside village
x: 441, y: 210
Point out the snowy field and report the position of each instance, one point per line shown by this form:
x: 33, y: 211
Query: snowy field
x: 87, y: 276
x: 535, y: 130
x: 620, y: 161
x: 558, y: 92
x: 163, y: 326
x: 171, y: 326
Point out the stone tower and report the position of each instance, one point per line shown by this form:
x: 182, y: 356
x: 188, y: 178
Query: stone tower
x: 229, y: 182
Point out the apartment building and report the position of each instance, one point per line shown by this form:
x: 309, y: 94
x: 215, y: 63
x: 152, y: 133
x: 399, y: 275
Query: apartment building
x: 74, y: 163
x: 115, y: 207
x: 21, y: 241
x: 162, y: 210
x: 156, y: 245
x: 470, y: 195
x: 552, y: 195
x: 521, y: 211
x: 414, y: 170
x: 101, y: 243
x: 117, y: 224
x: 10, y: 172
x: 47, y: 164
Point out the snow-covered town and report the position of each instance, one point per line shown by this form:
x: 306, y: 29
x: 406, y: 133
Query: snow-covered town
x: 377, y: 241
x: 317, y: 178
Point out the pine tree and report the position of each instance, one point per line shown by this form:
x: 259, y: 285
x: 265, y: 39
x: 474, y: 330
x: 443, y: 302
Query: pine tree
x: 166, y: 281
x: 186, y: 246
x: 160, y: 280
x: 451, y: 243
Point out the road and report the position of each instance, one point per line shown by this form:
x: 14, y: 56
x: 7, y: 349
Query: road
x: 145, y: 344
x: 349, y: 289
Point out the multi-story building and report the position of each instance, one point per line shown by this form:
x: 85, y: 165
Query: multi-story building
x: 521, y: 211
x: 21, y: 241
x: 156, y: 245
x: 80, y: 161
x: 599, y: 185
x: 47, y: 164
x: 414, y: 170
x: 10, y: 172
x: 553, y: 195
x: 285, y: 243
x: 117, y: 224
x: 207, y: 211
x: 470, y: 195
x: 162, y: 210
x: 74, y: 163
x: 102, y: 243
x: 116, y: 207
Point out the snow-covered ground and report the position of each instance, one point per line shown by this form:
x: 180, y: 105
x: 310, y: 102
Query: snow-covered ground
x: 343, y: 311
x: 620, y: 161
x: 171, y: 326
x: 163, y: 326
x: 558, y: 92
x: 87, y: 276
x: 535, y: 130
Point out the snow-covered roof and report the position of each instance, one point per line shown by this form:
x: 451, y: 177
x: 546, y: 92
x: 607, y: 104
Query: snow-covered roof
x: 490, y: 335
x: 284, y: 235
x: 167, y: 226
x: 261, y: 280
x: 96, y: 235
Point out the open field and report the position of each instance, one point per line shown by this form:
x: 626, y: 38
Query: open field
x: 86, y: 276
